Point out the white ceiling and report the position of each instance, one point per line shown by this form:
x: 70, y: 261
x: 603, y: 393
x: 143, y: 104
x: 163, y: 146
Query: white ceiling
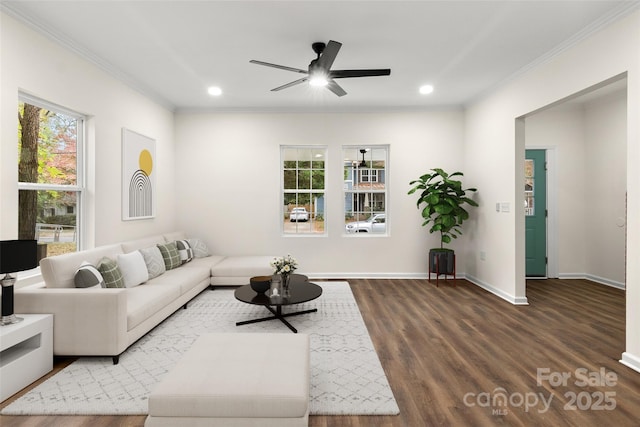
x: 173, y: 50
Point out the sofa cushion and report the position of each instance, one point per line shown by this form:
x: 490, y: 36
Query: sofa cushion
x: 133, y: 268
x: 145, y: 300
x: 186, y: 277
x: 200, y: 249
x: 59, y: 271
x: 170, y: 255
x: 243, y: 266
x: 185, y: 251
x: 154, y: 261
x: 88, y: 276
x: 110, y: 272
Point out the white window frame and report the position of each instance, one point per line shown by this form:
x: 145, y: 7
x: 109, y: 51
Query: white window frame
x: 79, y: 187
x: 324, y: 191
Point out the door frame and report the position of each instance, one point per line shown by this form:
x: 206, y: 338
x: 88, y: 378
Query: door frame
x: 552, y: 208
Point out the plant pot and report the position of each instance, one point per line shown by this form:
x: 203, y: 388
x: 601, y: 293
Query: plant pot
x: 442, y: 261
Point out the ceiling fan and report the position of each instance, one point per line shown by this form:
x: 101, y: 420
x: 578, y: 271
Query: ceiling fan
x: 319, y: 72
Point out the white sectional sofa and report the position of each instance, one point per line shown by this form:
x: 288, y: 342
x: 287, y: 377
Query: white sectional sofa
x: 106, y: 321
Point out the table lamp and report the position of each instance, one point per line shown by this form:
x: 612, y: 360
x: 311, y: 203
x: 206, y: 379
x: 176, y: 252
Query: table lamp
x: 15, y: 255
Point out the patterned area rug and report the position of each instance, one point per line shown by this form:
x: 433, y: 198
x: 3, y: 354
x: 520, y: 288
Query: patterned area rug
x: 346, y: 375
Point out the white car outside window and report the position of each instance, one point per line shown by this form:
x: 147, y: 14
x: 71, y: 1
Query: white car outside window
x: 299, y: 214
x: 374, y: 224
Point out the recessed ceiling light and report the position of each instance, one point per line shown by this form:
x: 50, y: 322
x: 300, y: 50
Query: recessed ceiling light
x: 426, y: 89
x: 214, y: 91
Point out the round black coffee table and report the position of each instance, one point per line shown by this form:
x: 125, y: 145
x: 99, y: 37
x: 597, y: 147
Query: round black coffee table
x: 301, y: 290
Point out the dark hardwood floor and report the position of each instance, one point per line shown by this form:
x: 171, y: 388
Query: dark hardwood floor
x: 450, y: 354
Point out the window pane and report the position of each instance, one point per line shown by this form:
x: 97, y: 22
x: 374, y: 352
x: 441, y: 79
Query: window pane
x: 55, y: 221
x: 290, y: 182
x: 365, y: 190
x: 529, y: 187
x: 303, y: 190
x: 317, y: 179
x: 47, y: 143
x: 304, y: 179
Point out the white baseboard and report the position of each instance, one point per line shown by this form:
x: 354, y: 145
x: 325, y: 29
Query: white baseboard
x: 593, y: 278
x: 631, y: 361
x: 498, y: 292
x: 420, y: 275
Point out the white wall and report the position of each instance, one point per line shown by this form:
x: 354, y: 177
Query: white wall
x: 228, y: 173
x: 589, y: 140
x: 42, y: 68
x: 606, y: 177
x: 494, y: 142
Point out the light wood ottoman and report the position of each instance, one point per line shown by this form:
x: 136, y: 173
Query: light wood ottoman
x: 243, y: 379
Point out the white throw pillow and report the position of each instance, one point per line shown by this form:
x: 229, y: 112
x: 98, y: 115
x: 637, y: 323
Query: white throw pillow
x: 133, y: 268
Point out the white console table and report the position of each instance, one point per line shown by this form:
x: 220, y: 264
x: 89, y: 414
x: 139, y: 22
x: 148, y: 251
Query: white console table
x: 26, y: 352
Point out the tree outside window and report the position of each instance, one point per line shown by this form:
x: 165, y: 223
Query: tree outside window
x: 49, y: 143
x: 303, y: 189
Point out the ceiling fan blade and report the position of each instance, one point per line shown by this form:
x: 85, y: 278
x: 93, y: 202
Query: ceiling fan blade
x: 335, y: 88
x: 282, y: 67
x: 329, y: 54
x: 343, y: 74
x: 293, y: 83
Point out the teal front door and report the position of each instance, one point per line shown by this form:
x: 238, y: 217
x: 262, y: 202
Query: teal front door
x: 535, y: 197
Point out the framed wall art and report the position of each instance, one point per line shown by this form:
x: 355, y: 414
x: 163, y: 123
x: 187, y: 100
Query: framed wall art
x: 138, y: 176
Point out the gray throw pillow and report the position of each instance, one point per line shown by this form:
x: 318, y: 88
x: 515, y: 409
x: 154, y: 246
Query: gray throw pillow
x: 200, y: 249
x: 111, y: 273
x: 87, y: 276
x: 155, y: 262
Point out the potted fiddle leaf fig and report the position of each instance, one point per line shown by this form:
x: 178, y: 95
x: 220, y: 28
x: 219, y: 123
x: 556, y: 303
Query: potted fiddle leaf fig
x: 441, y: 199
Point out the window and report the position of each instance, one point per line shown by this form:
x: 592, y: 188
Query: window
x: 529, y: 180
x: 50, y: 142
x: 303, y: 189
x: 369, y: 175
x: 366, y: 177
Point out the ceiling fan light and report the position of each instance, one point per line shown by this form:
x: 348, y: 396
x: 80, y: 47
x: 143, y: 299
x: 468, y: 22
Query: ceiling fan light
x: 318, y: 80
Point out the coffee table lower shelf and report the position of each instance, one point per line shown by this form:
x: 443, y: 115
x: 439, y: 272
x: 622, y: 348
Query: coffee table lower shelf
x: 277, y: 314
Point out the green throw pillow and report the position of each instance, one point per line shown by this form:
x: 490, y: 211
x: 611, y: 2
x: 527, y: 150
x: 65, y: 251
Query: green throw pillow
x: 170, y: 255
x: 110, y: 272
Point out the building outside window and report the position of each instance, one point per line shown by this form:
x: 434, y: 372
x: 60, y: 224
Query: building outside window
x: 303, y: 190
x: 50, y: 146
x: 366, y: 175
